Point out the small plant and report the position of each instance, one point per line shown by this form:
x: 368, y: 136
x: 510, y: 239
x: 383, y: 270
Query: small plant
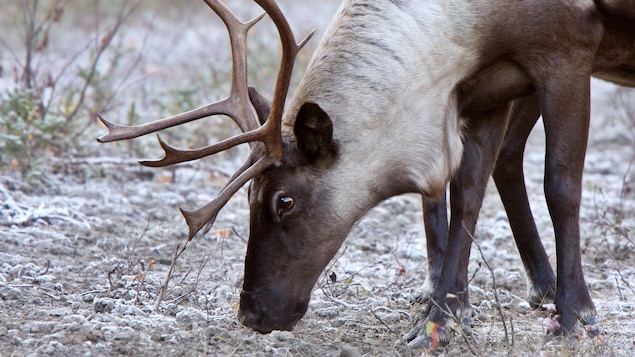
x: 27, y: 137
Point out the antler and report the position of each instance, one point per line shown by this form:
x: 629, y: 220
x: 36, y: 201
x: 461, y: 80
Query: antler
x: 237, y: 106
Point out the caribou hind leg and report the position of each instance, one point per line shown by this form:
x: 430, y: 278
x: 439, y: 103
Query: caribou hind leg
x: 566, y: 124
x: 509, y: 178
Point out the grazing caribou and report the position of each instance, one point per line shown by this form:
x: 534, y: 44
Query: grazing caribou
x: 394, y: 93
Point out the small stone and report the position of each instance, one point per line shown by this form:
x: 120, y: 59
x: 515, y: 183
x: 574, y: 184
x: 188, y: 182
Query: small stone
x: 104, y: 305
x: 44, y: 279
x: 348, y: 351
x: 282, y: 335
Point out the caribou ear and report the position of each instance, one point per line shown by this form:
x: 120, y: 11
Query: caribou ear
x: 261, y: 104
x: 314, y: 132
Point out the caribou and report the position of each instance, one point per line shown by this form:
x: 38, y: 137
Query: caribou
x: 405, y: 96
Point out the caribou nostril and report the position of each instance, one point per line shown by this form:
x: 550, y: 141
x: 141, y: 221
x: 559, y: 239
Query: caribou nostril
x: 252, y: 313
x: 250, y: 303
x: 250, y: 319
x: 264, y: 316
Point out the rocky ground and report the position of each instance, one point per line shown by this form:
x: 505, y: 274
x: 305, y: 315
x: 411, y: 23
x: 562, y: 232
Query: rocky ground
x: 82, y: 264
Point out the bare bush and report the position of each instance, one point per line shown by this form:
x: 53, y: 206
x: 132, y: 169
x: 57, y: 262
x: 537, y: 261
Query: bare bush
x: 41, y: 107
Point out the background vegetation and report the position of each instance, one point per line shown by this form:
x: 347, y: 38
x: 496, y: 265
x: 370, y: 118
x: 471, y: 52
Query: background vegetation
x: 62, y: 62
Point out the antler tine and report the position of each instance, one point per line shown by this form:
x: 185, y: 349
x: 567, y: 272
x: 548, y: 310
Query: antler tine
x: 206, y: 215
x: 174, y: 156
x: 245, y: 118
x: 289, y: 52
x: 236, y: 105
x: 122, y: 132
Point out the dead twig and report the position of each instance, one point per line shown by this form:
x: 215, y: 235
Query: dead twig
x: 100, y: 48
x: 110, y: 273
x: 130, y: 251
x: 178, y: 250
x: 508, y: 341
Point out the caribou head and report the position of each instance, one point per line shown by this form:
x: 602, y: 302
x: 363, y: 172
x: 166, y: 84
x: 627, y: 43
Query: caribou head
x: 340, y: 147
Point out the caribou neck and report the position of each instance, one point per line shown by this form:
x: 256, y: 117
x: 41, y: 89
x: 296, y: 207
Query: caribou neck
x: 371, y: 81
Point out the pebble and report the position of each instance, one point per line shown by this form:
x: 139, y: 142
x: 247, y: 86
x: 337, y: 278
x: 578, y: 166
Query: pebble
x: 282, y: 335
x: 104, y: 305
x: 348, y: 351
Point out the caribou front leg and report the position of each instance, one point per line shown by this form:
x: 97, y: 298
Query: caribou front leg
x: 435, y: 218
x: 450, y: 303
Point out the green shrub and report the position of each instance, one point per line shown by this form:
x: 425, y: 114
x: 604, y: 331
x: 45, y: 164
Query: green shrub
x: 27, y: 138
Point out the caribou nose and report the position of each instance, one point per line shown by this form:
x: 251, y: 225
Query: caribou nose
x: 264, y: 314
x: 252, y: 320
x: 254, y: 314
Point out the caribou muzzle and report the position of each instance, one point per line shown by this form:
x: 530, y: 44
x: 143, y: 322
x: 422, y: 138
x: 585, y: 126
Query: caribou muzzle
x: 266, y: 311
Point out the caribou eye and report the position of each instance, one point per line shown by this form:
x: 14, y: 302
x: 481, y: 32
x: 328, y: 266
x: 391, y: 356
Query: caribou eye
x: 284, y: 204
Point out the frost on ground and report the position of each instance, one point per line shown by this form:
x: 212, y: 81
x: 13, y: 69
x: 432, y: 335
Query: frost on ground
x: 81, y: 266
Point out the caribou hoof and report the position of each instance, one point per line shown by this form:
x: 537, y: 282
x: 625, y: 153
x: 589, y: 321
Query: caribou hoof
x: 592, y: 330
x: 432, y: 334
x: 421, y: 299
x: 585, y: 323
x: 428, y: 335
